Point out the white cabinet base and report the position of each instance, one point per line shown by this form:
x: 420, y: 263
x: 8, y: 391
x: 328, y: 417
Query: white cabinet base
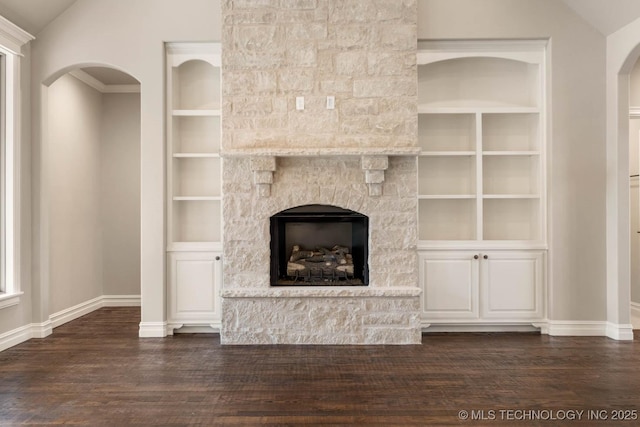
x: 194, y: 288
x: 482, y: 291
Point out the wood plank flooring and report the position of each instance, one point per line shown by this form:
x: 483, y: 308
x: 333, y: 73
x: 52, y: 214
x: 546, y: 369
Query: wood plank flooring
x: 95, y: 371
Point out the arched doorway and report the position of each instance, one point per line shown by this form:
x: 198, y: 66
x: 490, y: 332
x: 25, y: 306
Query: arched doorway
x: 623, y: 52
x: 90, y: 191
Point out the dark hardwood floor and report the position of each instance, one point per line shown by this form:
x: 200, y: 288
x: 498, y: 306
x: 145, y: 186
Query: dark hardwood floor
x: 96, y: 371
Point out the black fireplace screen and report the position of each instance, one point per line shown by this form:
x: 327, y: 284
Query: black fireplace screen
x: 319, y: 245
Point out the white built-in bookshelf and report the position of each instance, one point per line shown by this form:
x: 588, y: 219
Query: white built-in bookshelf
x: 194, y: 190
x: 481, y: 133
x: 194, y: 164
x: 482, y: 183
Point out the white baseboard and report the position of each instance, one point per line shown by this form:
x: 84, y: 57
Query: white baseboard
x: 121, y: 301
x: 25, y: 333
x: 577, y: 328
x: 477, y: 327
x: 635, y: 315
x: 72, y: 313
x: 153, y: 330
x: 42, y: 330
x: 620, y: 332
x: 15, y: 337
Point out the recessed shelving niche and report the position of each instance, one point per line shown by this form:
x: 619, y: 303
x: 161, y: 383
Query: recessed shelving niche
x: 481, y: 135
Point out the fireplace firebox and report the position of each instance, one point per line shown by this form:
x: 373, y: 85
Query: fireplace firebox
x: 319, y: 245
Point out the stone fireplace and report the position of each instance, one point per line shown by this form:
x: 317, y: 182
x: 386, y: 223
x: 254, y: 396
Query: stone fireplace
x: 358, y: 157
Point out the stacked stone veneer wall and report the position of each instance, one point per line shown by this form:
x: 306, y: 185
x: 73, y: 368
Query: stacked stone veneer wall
x: 363, y: 53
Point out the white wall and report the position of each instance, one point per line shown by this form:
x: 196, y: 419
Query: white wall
x: 75, y: 235
x: 128, y: 35
x: 94, y: 184
x: 120, y: 193
x: 577, y: 150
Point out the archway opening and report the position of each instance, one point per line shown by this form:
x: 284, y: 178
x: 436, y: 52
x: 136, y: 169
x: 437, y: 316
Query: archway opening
x: 91, y: 184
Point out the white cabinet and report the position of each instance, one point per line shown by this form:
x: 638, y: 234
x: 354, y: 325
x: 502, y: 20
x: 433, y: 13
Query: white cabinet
x: 450, y: 285
x: 490, y: 286
x: 194, y: 190
x: 511, y: 285
x: 194, y: 288
x: 482, y: 185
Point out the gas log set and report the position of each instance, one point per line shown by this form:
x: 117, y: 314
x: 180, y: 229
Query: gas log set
x: 320, y: 264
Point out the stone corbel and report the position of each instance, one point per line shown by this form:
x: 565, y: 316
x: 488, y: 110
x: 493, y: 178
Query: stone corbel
x: 263, y: 168
x: 374, y: 167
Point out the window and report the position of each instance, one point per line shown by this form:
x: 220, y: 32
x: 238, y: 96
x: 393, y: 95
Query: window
x: 12, y: 39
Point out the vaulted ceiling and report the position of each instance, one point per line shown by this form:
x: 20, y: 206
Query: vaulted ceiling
x: 607, y: 16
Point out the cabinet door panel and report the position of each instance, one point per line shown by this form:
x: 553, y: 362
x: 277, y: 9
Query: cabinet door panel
x: 450, y: 285
x: 193, y: 288
x: 512, y: 285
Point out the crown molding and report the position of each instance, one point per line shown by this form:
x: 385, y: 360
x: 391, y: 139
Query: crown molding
x: 12, y: 37
x: 101, y: 87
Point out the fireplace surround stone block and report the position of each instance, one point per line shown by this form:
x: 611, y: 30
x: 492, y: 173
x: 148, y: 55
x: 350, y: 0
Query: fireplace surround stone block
x: 277, y: 158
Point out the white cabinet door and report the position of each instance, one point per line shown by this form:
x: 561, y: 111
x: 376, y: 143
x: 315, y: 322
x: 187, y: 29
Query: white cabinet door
x: 512, y: 285
x: 449, y: 285
x: 194, y: 280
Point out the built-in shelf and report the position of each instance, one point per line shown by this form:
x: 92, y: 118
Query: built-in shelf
x: 193, y: 144
x: 445, y: 196
x: 481, y: 163
x: 195, y: 113
x: 194, y: 186
x: 510, y: 153
x: 196, y: 198
x: 447, y: 153
x: 511, y: 196
x: 196, y: 155
x: 506, y: 109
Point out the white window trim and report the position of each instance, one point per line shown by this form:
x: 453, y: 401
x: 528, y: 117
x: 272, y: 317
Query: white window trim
x: 12, y: 38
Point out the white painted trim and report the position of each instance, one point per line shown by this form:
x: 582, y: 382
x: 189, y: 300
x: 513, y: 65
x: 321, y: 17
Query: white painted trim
x: 567, y: 328
x: 635, y: 315
x: 41, y: 330
x: 634, y: 112
x: 79, y: 310
x: 153, y: 330
x: 181, y: 52
x: 72, y: 313
x: 8, y: 300
x: 121, y: 301
x: 479, y: 327
x: 15, y: 337
x: 101, y: 87
x: 24, y: 333
x: 578, y: 328
x: 13, y: 37
x: 619, y: 332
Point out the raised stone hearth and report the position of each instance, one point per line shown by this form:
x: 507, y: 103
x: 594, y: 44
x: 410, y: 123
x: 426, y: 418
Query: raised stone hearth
x: 360, y: 156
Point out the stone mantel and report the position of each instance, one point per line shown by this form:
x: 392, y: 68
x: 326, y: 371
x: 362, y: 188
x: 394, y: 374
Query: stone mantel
x: 321, y: 152
x: 374, y: 162
x: 322, y: 292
